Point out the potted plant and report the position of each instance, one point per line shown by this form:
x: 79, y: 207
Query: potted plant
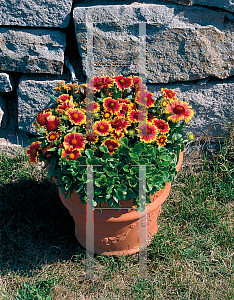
x: 115, y: 125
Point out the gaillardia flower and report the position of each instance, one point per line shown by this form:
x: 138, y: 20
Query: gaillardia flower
x: 62, y: 98
x: 41, y: 117
x: 147, y: 132
x: 33, y: 151
x: 76, y: 116
x: 170, y: 94
x: 66, y: 105
x: 161, y: 140
x: 112, y: 105
x: 111, y: 144
x: 70, y: 153
x: 119, y: 124
x: 52, y: 123
x: 163, y: 127
x: 102, y: 127
x: 91, y: 139
x: 52, y: 136
x: 99, y: 83
x: 123, y: 82
x: 180, y: 110
x: 74, y: 140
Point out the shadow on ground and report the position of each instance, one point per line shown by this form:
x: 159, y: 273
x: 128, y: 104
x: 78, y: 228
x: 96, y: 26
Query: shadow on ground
x: 35, y: 227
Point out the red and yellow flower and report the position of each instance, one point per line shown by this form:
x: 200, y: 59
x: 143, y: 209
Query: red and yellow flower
x: 70, y: 153
x: 111, y: 144
x: 117, y: 135
x: 180, y: 111
x: 112, y: 105
x: 76, y: 116
x: 170, y: 94
x: 161, y: 140
x: 66, y: 105
x: 41, y: 117
x: 74, y: 140
x: 137, y: 84
x: 92, y: 107
x: 133, y: 116
x: 119, y: 124
x: 147, y: 132
x: 52, y: 136
x: 107, y: 114
x: 62, y: 98
x: 123, y: 82
x: 163, y: 126
x: 91, y: 139
x: 102, y: 127
x: 145, y: 98
x: 33, y: 151
x: 52, y: 123
x: 99, y: 83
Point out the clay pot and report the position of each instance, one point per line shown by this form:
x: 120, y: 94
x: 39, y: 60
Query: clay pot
x: 117, y: 232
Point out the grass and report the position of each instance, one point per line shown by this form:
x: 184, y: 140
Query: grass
x: 191, y: 257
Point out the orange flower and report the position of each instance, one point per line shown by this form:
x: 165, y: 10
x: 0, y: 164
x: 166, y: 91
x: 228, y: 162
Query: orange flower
x: 74, y: 140
x: 147, y: 132
x: 102, y: 127
x: 123, y: 82
x: 111, y: 105
x: 170, y: 94
x: 118, y: 124
x: 162, y: 126
x: 76, y: 116
x: 161, y: 140
x: 180, y: 110
x: 70, y: 153
x: 52, y: 123
x: 112, y: 145
x: 33, y: 151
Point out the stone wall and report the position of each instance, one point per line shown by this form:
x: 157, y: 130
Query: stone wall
x: 189, y: 47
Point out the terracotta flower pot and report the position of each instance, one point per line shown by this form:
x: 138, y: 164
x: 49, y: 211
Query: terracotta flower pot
x: 117, y: 232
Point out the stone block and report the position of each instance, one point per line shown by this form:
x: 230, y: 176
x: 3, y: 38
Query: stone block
x: 6, y: 83
x: 32, y: 50
x: 212, y: 102
x: 224, y: 4
x: 35, y: 13
x: 33, y: 96
x: 182, y: 43
x: 3, y: 113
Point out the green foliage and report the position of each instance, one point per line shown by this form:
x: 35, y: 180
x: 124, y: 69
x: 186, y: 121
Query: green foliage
x: 31, y: 292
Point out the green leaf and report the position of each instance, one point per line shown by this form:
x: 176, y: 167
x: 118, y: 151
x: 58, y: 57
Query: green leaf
x: 52, y: 149
x: 125, y: 168
x: 133, y: 155
x: 103, y: 148
x: 109, y: 189
x: 124, y: 141
x: 89, y: 153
